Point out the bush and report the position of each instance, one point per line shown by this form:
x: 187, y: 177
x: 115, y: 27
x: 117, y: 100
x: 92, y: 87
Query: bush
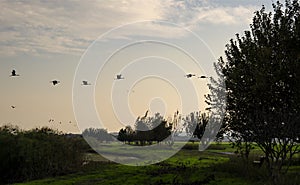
x: 38, y: 153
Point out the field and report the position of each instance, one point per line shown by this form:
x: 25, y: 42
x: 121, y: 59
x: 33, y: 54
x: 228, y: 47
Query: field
x: 218, y: 165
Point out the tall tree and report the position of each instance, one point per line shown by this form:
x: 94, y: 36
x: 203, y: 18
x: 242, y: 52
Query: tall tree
x: 262, y: 75
x: 195, y: 124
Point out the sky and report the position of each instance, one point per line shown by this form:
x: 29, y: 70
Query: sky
x: 153, y: 44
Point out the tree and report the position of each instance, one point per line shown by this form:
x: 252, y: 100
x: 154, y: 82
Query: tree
x: 195, y: 124
x: 142, y: 130
x: 147, y: 130
x: 190, y: 122
x: 126, y: 134
x: 122, y: 135
x: 201, y: 125
x: 99, y: 134
x: 161, y: 131
x: 262, y: 74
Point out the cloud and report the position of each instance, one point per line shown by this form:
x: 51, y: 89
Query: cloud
x: 54, y: 26
x: 193, y: 13
x: 68, y: 27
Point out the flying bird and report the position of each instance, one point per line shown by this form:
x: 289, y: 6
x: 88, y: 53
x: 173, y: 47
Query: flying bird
x: 55, y: 82
x: 13, y: 106
x: 14, y: 73
x: 84, y: 82
x: 119, y: 77
x: 189, y: 75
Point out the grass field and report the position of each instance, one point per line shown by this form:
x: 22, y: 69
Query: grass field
x: 216, y: 166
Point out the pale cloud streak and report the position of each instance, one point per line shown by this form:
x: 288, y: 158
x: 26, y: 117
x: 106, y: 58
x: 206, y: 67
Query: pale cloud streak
x: 56, y: 26
x: 192, y: 13
x: 68, y: 27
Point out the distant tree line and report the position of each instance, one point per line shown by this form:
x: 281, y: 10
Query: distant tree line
x: 37, y: 153
x: 156, y: 129
x: 99, y: 134
x: 147, y: 130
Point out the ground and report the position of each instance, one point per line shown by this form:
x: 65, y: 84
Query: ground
x: 216, y: 166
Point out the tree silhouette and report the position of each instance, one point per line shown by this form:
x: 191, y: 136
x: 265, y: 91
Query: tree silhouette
x: 262, y: 74
x: 195, y: 124
x: 147, y: 130
x: 201, y: 125
x: 99, y: 134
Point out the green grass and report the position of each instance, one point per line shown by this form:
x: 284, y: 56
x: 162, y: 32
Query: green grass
x: 211, y: 167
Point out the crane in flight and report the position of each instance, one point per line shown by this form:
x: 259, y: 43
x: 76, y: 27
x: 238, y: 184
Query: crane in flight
x: 84, y: 82
x: 14, y: 73
x: 189, y: 75
x: 119, y: 77
x: 55, y: 82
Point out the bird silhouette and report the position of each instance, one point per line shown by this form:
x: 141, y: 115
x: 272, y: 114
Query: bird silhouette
x: 119, y: 77
x: 13, y: 107
x: 84, y: 82
x: 202, y: 76
x: 189, y: 75
x: 14, y: 73
x: 55, y: 82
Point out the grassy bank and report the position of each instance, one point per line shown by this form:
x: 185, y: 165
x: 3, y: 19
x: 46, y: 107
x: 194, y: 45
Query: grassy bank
x: 215, y: 166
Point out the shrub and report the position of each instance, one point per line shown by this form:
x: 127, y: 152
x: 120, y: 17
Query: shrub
x: 38, y: 153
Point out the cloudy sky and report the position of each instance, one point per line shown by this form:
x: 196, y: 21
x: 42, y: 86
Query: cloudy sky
x: 47, y: 40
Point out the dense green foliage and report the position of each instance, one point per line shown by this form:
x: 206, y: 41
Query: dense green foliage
x: 37, y: 153
x: 262, y: 75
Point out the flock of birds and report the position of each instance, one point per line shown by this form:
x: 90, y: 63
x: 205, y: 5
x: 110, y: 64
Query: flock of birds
x: 60, y: 122
x: 15, y: 74
x: 86, y: 83
x: 56, y: 82
x: 190, y: 75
